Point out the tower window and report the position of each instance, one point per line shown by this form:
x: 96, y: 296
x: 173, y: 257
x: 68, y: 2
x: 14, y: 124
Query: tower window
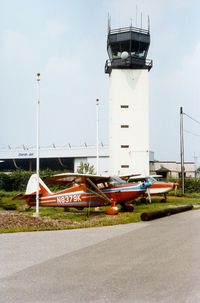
x: 124, y: 106
x: 124, y: 126
x: 124, y: 166
x: 124, y: 146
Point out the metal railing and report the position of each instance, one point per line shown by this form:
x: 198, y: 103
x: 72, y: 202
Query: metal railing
x: 128, y: 63
x: 128, y: 29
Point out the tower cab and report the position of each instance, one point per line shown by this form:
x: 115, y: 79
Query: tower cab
x: 127, y: 48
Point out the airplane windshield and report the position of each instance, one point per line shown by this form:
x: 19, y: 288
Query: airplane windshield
x: 152, y: 180
x: 116, y: 181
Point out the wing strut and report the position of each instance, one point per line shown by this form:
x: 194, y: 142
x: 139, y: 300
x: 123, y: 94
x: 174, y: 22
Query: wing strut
x: 98, y: 192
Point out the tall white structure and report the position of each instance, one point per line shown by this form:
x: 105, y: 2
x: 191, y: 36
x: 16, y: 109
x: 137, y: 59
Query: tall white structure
x: 128, y: 100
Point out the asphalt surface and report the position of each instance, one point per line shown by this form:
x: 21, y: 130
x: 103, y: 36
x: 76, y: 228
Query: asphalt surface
x: 152, y: 262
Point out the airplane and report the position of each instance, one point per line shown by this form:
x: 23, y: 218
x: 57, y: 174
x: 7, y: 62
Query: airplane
x: 84, y: 190
x: 156, y: 187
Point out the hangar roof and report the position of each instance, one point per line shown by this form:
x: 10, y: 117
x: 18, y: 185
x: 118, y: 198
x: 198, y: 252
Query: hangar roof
x: 53, y: 151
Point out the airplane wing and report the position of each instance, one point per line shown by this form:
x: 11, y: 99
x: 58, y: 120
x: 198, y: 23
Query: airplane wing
x: 127, y: 177
x: 138, y: 178
x: 156, y: 176
x: 67, y: 178
x: 20, y: 196
x: 92, y: 180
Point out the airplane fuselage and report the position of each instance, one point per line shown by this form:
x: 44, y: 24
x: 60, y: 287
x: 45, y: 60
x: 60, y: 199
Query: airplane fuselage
x: 79, y: 195
x: 161, y: 187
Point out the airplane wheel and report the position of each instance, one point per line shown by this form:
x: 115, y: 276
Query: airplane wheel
x: 127, y: 208
x: 112, y: 210
x: 143, y: 200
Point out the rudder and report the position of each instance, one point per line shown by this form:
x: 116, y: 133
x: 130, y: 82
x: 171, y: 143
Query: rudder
x: 32, y: 185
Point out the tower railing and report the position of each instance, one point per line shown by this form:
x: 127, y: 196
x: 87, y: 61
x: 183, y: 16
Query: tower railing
x: 128, y: 29
x: 128, y: 63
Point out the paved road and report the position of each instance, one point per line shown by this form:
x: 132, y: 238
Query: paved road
x: 143, y: 262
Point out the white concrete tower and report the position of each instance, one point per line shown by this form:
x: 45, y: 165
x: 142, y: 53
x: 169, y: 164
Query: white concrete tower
x: 128, y: 100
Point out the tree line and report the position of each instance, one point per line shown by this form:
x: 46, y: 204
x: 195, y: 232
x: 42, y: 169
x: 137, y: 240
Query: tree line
x: 17, y: 180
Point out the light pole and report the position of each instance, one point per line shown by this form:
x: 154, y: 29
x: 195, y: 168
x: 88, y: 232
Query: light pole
x: 38, y: 145
x: 182, y: 151
x: 97, y: 133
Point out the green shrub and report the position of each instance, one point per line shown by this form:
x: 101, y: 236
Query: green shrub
x: 192, y: 185
x: 17, y: 180
x: 7, y: 204
x: 5, y: 182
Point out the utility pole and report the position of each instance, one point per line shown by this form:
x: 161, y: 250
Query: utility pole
x: 38, y: 146
x: 97, y: 133
x: 182, y: 151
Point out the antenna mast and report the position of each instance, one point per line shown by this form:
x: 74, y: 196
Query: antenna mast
x: 136, y: 14
x: 148, y: 24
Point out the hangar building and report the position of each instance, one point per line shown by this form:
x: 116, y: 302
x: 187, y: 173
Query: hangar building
x: 56, y: 158
x: 68, y: 158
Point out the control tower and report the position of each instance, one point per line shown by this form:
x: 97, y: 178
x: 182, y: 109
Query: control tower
x: 128, y: 69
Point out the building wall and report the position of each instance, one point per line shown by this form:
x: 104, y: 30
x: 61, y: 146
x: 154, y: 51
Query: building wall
x: 70, y: 157
x: 172, y: 169
x: 129, y: 121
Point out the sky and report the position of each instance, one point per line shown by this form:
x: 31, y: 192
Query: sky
x: 65, y: 41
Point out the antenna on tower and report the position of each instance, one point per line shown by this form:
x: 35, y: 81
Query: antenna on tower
x: 148, y: 24
x: 109, y: 23
x: 136, y: 13
x: 141, y: 20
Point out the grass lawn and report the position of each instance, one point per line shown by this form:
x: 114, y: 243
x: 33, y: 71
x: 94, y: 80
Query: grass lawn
x: 20, y: 218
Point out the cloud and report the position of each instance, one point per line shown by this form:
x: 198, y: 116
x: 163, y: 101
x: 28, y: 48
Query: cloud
x: 173, y: 88
x: 15, y: 47
x: 60, y: 67
x: 183, y: 79
x: 55, y: 28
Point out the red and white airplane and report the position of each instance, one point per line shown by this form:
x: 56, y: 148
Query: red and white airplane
x: 156, y: 187
x: 85, y: 191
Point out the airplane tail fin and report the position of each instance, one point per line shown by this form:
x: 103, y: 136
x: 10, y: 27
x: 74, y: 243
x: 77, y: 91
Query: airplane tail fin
x: 32, y: 186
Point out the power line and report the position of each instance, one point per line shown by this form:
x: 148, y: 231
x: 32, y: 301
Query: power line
x: 189, y: 132
x: 191, y: 118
